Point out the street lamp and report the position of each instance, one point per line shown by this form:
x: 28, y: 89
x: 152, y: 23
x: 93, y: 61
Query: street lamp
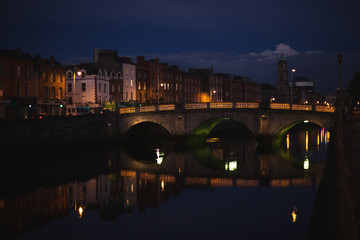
x: 212, y: 95
x: 291, y: 84
x: 78, y: 73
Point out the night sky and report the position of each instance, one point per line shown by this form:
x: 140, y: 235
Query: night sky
x: 242, y: 37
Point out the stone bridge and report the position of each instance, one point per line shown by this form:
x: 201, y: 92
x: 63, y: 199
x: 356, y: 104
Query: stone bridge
x: 259, y: 120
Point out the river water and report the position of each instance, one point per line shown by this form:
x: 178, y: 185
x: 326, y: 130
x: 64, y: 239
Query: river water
x: 229, y: 189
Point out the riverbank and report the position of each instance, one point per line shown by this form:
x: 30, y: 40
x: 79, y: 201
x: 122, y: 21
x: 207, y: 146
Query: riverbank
x: 336, y: 212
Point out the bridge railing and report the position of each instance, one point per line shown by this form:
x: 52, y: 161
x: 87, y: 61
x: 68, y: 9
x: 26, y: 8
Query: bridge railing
x: 284, y: 106
x: 300, y: 107
x: 325, y: 109
x: 227, y: 105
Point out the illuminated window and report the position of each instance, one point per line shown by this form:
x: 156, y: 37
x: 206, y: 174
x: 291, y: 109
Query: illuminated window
x: 144, y: 85
x: 139, y: 85
x: 131, y: 83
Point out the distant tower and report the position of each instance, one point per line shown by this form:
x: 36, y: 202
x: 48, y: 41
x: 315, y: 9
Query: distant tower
x: 282, y: 82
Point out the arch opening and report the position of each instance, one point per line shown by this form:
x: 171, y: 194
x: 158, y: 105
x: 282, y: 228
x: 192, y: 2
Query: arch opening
x: 146, y: 141
x: 311, y: 141
x: 212, y: 143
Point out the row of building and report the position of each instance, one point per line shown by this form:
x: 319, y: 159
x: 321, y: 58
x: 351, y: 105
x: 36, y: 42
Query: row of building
x: 35, y: 86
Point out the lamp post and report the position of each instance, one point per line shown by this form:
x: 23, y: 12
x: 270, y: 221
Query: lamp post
x: 78, y: 73
x: 340, y: 78
x: 291, y: 85
x: 212, y: 93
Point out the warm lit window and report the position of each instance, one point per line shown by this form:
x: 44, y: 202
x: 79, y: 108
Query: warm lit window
x: 60, y: 78
x: 131, y: 83
x: 144, y: 85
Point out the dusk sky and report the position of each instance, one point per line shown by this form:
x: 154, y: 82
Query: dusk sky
x: 242, y: 37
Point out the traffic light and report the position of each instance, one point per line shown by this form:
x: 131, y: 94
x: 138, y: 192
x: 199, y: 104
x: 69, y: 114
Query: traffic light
x: 61, y: 105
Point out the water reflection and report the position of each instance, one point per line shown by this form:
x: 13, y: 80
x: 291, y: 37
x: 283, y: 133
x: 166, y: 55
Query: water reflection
x: 132, y: 186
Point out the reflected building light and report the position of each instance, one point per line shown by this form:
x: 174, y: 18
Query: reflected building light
x: 288, y: 141
x: 327, y: 137
x: 306, y: 163
x: 318, y: 140
x: 231, y: 166
x: 307, y: 141
x: 179, y: 170
x: 132, y: 188
x: 81, y: 210
x: 162, y: 185
x: 322, y: 135
x: 294, y: 215
x: 159, y: 156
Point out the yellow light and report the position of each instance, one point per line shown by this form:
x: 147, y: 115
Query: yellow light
x: 81, y: 210
x: 78, y: 73
x: 162, y: 185
x: 132, y: 188
x: 307, y: 141
x: 288, y: 142
x: 318, y: 140
x: 293, y: 70
x: 293, y: 214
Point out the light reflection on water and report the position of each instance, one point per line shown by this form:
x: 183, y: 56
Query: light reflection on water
x: 255, y: 196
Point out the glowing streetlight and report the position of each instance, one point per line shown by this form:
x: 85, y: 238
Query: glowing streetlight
x: 291, y: 84
x: 78, y: 73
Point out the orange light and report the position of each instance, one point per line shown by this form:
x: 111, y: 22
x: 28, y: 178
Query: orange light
x: 294, y: 215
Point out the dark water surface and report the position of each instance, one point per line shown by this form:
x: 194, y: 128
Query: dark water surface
x: 109, y: 194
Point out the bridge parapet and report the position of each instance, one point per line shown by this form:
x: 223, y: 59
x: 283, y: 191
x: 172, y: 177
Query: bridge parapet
x: 227, y: 105
x: 258, y: 119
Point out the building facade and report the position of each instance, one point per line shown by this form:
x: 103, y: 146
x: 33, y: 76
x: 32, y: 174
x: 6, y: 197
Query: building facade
x: 30, y: 87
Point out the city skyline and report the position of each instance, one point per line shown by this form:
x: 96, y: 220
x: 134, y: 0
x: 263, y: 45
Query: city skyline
x: 244, y: 38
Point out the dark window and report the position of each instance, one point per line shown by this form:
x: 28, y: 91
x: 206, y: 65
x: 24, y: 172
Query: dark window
x: 83, y: 87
